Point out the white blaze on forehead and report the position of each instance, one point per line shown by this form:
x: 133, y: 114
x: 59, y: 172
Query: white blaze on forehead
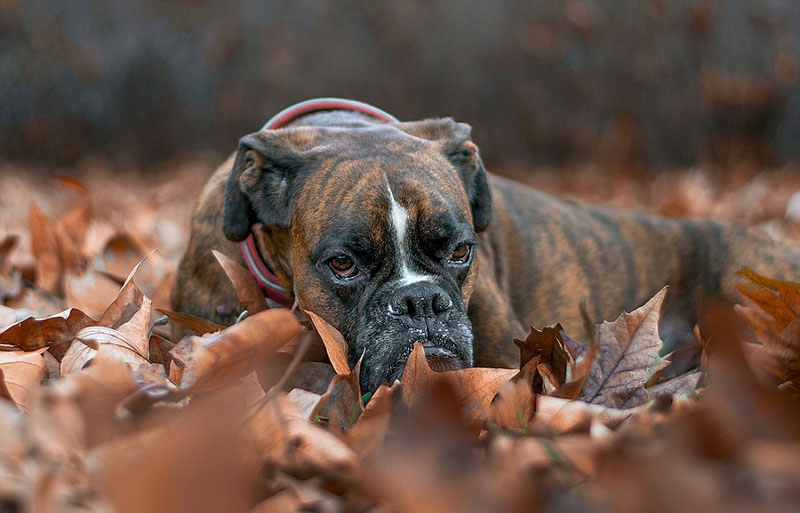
x: 399, y: 219
x: 399, y: 216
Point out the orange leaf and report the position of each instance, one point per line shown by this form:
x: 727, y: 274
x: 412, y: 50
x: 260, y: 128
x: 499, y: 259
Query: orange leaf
x: 775, y: 322
x: 115, y: 344
x: 70, y: 234
x: 232, y: 353
x: 45, y: 251
x: 472, y: 387
x: 55, y: 332
x: 335, y: 345
x: 21, y: 371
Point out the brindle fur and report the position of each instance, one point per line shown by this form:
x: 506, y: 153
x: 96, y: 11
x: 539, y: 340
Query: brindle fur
x: 539, y: 257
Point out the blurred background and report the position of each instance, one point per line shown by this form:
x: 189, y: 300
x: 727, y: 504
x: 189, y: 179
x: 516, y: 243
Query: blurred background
x: 636, y: 84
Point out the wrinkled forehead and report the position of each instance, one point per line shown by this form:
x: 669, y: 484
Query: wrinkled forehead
x: 355, y: 175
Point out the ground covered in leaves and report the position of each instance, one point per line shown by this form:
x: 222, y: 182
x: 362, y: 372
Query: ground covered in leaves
x: 101, y: 410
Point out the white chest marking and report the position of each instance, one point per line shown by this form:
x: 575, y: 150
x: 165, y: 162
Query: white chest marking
x: 400, y: 224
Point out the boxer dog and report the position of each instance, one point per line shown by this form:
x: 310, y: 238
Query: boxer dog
x: 394, y: 233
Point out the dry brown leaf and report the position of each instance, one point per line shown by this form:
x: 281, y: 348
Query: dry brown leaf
x: 679, y: 385
x: 306, y: 401
x: 8, y: 316
x: 574, y: 457
x: 196, y: 324
x: 778, y: 299
x: 341, y: 404
x: 775, y: 320
x: 627, y: 355
x: 293, y: 443
x: 370, y: 430
x: 158, y: 350
x: 567, y: 416
x: 45, y: 251
x: 7, y: 245
x: 512, y: 407
x: 89, y: 340
x: 70, y: 233
x: 250, y: 296
x: 474, y: 387
x: 549, y: 346
x: 121, y: 253
x: 55, y: 332
x: 90, y: 291
x: 235, y: 351
x: 335, y: 345
x: 312, y: 376
x: 129, y: 313
x: 21, y: 371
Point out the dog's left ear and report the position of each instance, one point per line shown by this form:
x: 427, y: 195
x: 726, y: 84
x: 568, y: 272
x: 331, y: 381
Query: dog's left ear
x: 454, y: 141
x: 261, y: 186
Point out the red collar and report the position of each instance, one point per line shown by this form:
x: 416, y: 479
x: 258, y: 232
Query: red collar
x: 276, y: 295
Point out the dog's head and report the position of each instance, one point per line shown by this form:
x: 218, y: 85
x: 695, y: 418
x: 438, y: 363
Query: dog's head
x: 378, y: 228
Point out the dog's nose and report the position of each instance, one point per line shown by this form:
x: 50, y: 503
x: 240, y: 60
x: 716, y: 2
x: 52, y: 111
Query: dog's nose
x: 419, y: 301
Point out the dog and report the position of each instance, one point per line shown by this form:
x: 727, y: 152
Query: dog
x: 395, y: 233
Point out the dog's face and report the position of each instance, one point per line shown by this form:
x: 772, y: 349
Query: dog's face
x: 380, y: 224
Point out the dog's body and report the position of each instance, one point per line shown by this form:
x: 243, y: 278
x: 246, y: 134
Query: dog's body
x: 367, y: 223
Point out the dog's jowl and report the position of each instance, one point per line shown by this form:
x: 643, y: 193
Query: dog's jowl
x: 394, y: 233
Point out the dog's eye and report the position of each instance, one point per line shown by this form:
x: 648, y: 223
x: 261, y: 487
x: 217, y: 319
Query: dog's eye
x: 343, y: 266
x: 461, y: 254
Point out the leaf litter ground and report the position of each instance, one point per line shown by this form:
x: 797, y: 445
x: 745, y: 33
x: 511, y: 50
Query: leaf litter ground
x: 101, y: 410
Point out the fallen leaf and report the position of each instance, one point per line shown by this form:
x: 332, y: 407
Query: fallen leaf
x: 678, y: 385
x: 21, y: 371
x: 474, y: 387
x: 55, y: 332
x: 627, y: 354
x: 235, y: 351
x: 7, y: 245
x: 369, y: 431
x: 129, y: 313
x: 294, y: 444
x: 312, y: 376
x: 70, y: 235
x: 775, y: 321
x: 549, y: 346
x: 196, y: 324
x: 335, y: 344
x: 306, y: 401
x: 250, y: 296
x: 45, y: 251
x: 89, y: 291
x: 89, y: 340
x: 341, y: 404
x: 121, y: 253
x: 569, y: 416
x: 512, y: 407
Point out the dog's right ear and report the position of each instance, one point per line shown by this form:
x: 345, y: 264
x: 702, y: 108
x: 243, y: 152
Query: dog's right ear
x: 261, y: 185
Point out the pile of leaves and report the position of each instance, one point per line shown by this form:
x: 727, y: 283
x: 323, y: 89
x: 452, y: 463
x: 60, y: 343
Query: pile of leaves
x: 102, y: 411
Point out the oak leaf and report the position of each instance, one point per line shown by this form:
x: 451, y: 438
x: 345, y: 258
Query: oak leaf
x: 627, y: 354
